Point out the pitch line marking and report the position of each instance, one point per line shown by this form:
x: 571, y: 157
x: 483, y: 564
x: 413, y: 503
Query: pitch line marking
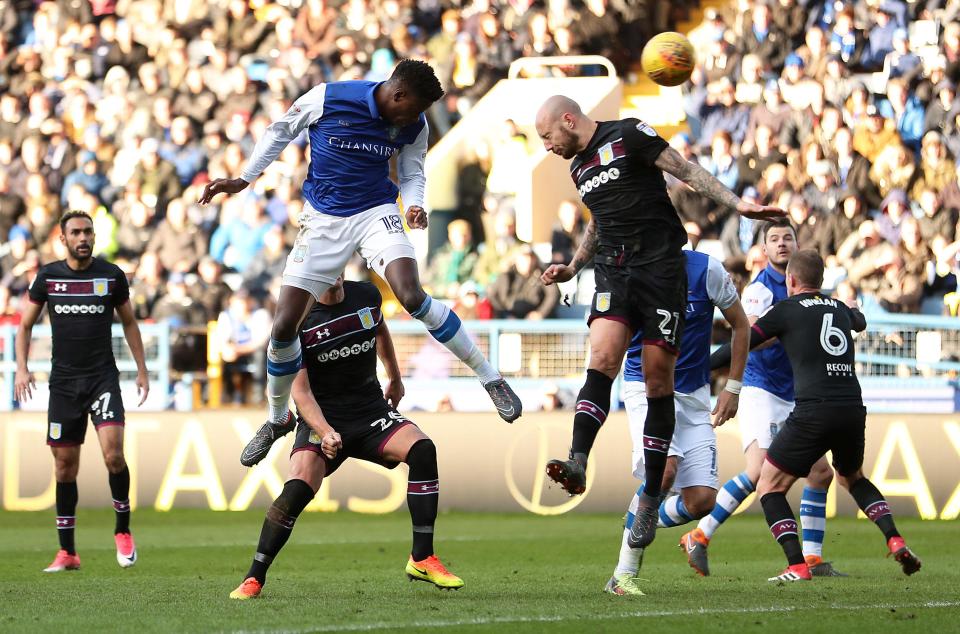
x: 369, y: 627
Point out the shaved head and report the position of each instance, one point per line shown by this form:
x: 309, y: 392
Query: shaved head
x: 563, y: 127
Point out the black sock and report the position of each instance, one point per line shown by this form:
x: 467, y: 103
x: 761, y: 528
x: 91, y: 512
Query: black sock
x: 120, y: 490
x: 783, y: 526
x: 593, y: 404
x: 67, y: 514
x: 278, y: 525
x: 874, y: 506
x: 657, y: 433
x: 423, y: 496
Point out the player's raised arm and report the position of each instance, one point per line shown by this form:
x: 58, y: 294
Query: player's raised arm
x: 131, y: 332
x: 310, y: 411
x: 412, y: 180
x: 24, y: 383
x: 388, y: 356
x: 705, y: 183
x: 302, y: 114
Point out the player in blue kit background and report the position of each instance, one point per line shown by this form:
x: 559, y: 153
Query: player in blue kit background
x: 766, y: 402
x: 692, y: 458
x: 355, y: 128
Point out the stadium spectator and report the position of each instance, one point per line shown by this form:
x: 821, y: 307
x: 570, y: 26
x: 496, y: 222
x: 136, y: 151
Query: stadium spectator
x: 240, y: 238
x: 517, y: 292
x: 186, y: 156
x: 893, y: 169
x: 268, y: 264
x: 134, y: 229
x: 155, y: 178
x: 720, y: 162
x: 470, y: 305
x: 837, y: 226
x: 209, y: 291
x: 894, y: 210
x: 942, y: 108
x: 936, y: 220
x: 12, y: 206
x: 241, y: 334
x: 496, y: 254
x: 936, y: 168
x: 453, y: 264
x: 721, y: 112
x: 853, y: 169
x: 764, y: 38
x: 568, y: 232
x: 177, y: 243
x: 750, y: 164
x: 905, y: 110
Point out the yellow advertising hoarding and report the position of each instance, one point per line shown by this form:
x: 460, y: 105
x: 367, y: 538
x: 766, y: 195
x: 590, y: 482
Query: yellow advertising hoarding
x: 191, y: 460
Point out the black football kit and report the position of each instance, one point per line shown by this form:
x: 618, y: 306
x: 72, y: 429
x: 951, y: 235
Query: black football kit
x: 84, y: 378
x: 639, y: 265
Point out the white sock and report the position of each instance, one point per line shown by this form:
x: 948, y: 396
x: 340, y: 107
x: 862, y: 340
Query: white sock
x: 630, y: 558
x: 446, y: 328
x: 283, y: 363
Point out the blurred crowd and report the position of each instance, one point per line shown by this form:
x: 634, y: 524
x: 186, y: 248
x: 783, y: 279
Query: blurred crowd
x: 845, y: 114
x: 125, y: 109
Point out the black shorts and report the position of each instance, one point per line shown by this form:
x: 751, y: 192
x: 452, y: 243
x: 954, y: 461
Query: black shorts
x: 72, y: 399
x: 363, y: 438
x: 810, y: 432
x: 649, y: 297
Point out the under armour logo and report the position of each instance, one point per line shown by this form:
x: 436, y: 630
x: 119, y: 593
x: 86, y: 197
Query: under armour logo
x: 323, y: 333
x: 59, y: 287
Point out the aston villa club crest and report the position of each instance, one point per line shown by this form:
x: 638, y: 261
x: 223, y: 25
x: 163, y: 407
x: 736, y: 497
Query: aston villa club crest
x: 314, y: 439
x: 56, y: 431
x: 366, y: 318
x: 606, y: 154
x: 603, y: 302
x: 100, y: 287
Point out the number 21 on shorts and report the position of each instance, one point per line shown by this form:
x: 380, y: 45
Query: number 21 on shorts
x: 668, y: 325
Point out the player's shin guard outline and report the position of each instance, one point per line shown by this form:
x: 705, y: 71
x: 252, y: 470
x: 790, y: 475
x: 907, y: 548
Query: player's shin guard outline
x: 284, y: 359
x: 729, y: 498
x: 423, y: 496
x: 783, y: 526
x: 630, y: 558
x: 278, y: 524
x: 813, y: 520
x: 445, y: 326
x: 874, y: 506
x: 593, y: 404
x: 657, y: 432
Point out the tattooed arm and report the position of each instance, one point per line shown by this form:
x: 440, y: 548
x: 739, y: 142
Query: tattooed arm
x: 558, y: 273
x: 702, y: 181
x: 587, y: 248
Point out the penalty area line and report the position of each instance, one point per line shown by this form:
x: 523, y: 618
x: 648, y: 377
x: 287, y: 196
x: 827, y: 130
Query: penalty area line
x: 550, y: 618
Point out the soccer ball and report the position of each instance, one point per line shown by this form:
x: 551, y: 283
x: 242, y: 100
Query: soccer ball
x: 668, y: 59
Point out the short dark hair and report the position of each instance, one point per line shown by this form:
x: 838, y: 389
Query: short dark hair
x: 775, y: 224
x: 70, y: 215
x: 807, y: 266
x: 419, y: 77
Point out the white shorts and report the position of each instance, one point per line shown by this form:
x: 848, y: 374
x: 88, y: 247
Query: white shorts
x: 326, y: 243
x: 761, y: 415
x: 694, y: 441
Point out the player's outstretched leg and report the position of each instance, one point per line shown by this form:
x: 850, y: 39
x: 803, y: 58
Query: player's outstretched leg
x: 624, y: 579
x: 657, y: 432
x: 875, y: 506
x: 729, y: 498
x: 284, y: 358
x: 593, y: 403
x: 783, y: 526
x: 281, y: 516
x: 423, y: 497
x: 444, y: 325
x: 67, y: 557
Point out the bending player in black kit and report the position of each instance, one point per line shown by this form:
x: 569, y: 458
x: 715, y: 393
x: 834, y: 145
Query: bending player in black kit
x: 81, y: 294
x: 829, y: 414
x: 343, y: 413
x: 635, y: 239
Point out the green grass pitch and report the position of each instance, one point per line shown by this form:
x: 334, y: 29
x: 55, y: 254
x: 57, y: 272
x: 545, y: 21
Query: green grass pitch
x: 344, y: 572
